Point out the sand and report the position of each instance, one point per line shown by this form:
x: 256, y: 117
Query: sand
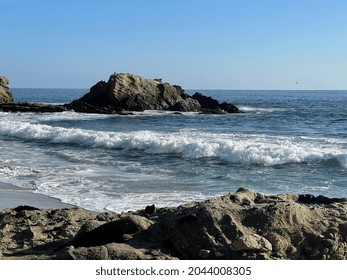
x: 12, y: 196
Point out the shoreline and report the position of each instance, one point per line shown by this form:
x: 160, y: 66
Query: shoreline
x: 244, y: 225
x: 12, y: 196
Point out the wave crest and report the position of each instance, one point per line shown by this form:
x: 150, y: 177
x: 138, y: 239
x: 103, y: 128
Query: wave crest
x: 235, y: 148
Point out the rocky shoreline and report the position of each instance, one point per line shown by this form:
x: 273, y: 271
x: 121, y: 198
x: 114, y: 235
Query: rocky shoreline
x: 242, y: 225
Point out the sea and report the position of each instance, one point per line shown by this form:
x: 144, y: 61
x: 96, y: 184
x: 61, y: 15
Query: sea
x: 283, y: 142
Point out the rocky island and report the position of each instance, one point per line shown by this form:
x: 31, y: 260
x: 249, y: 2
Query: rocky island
x: 123, y: 93
x: 241, y: 225
x: 128, y: 92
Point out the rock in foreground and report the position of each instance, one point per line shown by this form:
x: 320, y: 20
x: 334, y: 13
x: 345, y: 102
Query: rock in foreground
x: 243, y: 225
x: 128, y: 92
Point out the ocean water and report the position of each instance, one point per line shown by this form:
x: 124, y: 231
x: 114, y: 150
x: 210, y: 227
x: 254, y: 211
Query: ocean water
x: 284, y: 142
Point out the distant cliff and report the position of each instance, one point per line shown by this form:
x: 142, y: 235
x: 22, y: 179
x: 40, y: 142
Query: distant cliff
x: 5, y: 93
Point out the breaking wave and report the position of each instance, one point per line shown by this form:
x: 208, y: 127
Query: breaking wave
x: 235, y: 148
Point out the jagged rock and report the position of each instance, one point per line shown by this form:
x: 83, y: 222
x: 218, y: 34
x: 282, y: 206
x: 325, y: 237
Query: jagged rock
x: 212, y: 106
x: 5, y: 93
x: 134, y: 93
x: 83, y: 107
x: 186, y: 105
x: 242, y: 225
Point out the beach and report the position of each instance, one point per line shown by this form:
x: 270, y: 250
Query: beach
x: 12, y: 196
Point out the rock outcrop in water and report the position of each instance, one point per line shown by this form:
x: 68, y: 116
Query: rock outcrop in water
x: 5, y: 93
x: 128, y: 92
x: 31, y: 107
x: 242, y: 225
x: 124, y: 92
x: 7, y: 104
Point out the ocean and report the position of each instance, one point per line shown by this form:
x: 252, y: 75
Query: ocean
x: 284, y: 142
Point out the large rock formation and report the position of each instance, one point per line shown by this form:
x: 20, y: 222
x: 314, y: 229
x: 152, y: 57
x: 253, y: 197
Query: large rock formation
x: 5, y: 93
x: 134, y: 93
x: 242, y: 225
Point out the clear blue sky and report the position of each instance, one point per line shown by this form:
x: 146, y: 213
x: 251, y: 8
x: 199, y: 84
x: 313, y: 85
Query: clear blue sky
x: 198, y: 44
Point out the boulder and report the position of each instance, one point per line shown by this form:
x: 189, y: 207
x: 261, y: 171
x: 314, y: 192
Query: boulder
x: 251, y: 242
x: 5, y: 93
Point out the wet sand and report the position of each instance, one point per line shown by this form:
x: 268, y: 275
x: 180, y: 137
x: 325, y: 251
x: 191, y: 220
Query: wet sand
x: 12, y: 196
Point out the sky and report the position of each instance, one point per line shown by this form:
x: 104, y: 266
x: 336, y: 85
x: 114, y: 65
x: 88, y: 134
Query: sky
x: 198, y: 44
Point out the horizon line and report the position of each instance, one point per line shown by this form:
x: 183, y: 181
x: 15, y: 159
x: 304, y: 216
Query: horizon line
x: 197, y: 89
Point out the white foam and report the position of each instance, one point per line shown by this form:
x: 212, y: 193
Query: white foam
x: 260, y: 109
x: 235, y: 148
x: 96, y: 200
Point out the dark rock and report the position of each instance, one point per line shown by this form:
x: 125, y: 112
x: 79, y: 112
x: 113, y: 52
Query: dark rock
x: 32, y: 107
x: 207, y: 111
x: 212, y: 106
x: 206, y: 102
x: 190, y: 218
x: 25, y: 207
x: 83, y: 107
x: 150, y: 209
x: 320, y: 199
x: 229, y: 108
x: 94, y: 234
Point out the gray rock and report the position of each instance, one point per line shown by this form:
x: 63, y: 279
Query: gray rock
x: 252, y: 242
